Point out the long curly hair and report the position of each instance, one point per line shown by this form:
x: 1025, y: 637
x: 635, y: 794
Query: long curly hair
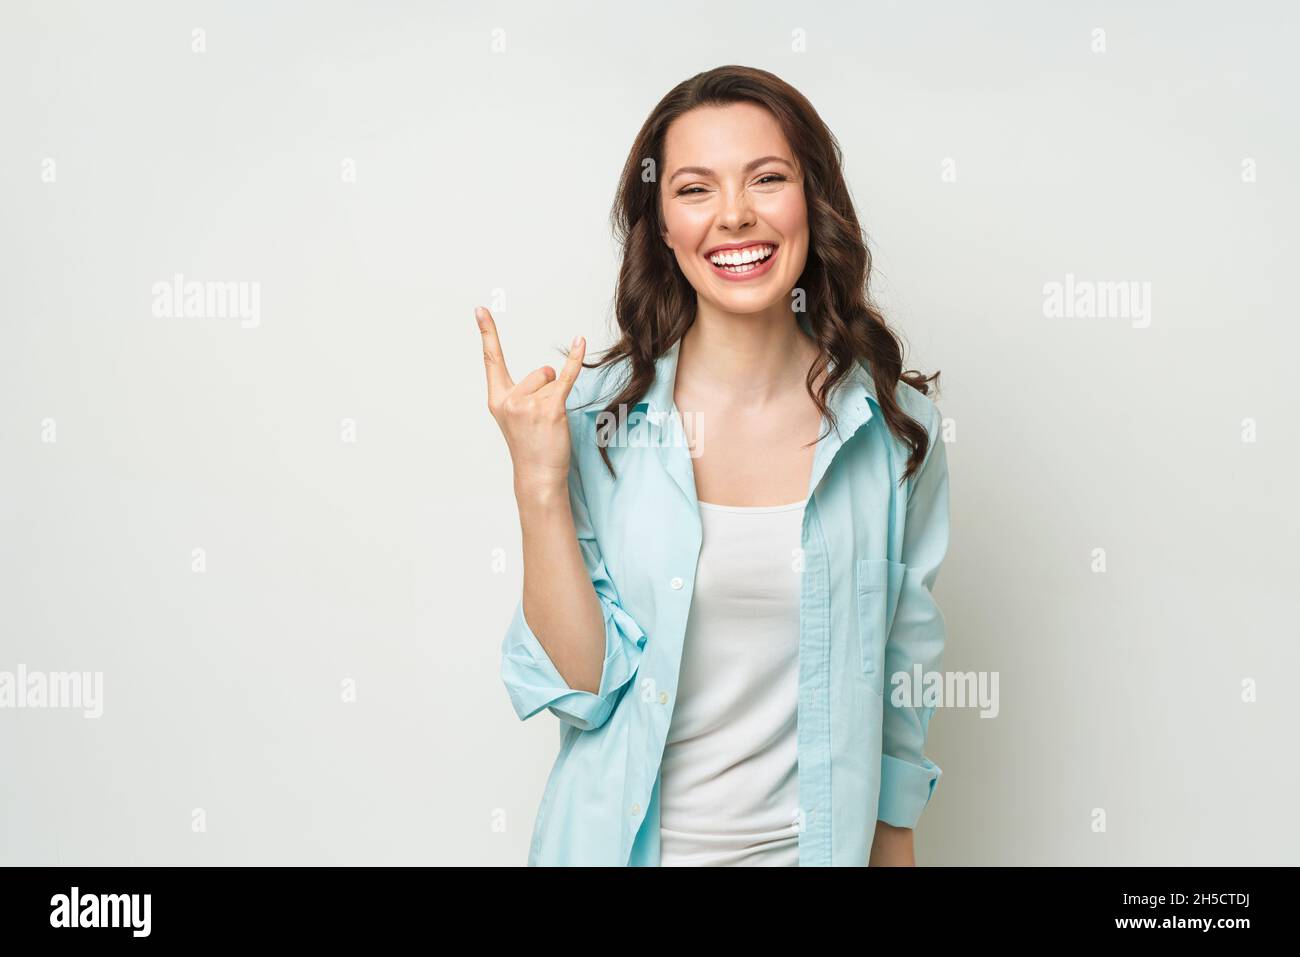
x: 655, y: 304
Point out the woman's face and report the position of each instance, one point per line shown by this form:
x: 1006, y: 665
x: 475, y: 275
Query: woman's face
x: 729, y: 179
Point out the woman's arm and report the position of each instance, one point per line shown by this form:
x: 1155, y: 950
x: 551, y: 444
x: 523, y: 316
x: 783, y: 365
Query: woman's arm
x: 892, y: 847
x: 570, y: 632
x: 916, y: 640
x: 530, y: 676
x: 559, y: 604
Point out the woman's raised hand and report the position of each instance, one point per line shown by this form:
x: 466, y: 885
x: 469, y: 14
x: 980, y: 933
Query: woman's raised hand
x: 531, y: 413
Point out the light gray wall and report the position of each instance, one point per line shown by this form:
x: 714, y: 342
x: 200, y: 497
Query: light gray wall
x: 486, y: 177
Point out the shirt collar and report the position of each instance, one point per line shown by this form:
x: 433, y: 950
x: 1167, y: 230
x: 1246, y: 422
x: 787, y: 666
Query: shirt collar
x: 851, y: 402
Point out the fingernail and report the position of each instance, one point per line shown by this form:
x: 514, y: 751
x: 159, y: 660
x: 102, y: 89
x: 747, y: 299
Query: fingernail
x: 574, y: 343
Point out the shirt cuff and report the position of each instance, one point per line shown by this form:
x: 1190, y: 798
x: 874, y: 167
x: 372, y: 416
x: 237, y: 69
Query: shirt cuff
x: 534, y: 683
x: 905, y: 789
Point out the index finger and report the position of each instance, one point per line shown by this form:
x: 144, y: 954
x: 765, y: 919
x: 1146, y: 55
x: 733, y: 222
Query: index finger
x: 498, y: 378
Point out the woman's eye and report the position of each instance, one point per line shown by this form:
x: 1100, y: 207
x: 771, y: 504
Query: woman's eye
x: 762, y: 180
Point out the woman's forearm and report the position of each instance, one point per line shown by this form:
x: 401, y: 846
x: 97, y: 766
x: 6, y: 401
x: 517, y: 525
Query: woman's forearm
x: 560, y: 604
x: 892, y: 847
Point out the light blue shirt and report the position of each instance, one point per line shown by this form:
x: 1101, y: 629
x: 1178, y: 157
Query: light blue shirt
x: 871, y: 554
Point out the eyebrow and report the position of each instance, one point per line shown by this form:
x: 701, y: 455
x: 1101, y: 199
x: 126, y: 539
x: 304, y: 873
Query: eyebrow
x: 751, y: 165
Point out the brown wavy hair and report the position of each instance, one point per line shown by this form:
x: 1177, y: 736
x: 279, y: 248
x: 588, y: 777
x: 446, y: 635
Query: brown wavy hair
x: 655, y: 304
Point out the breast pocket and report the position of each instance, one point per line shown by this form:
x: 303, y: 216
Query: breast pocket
x: 879, y: 581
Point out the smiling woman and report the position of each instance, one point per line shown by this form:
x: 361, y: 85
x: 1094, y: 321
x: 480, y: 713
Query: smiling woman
x: 712, y: 624
x: 739, y: 217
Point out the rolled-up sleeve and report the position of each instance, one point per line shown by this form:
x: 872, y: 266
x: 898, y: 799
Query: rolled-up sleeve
x: 530, y: 676
x: 907, y: 777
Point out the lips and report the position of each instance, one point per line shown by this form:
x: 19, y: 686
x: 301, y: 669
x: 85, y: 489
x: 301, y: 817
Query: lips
x: 743, y: 262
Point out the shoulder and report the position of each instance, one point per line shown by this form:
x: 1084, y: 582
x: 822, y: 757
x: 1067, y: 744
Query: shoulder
x: 923, y: 409
x: 914, y: 403
x: 918, y: 406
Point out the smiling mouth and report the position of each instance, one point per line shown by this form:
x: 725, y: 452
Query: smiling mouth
x: 737, y: 262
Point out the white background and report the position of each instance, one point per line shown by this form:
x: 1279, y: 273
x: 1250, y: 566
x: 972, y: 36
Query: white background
x: 486, y: 178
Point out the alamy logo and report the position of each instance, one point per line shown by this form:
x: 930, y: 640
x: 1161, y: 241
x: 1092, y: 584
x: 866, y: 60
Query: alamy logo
x: 1086, y: 299
x: 946, y: 689
x: 683, y: 430
x: 102, y: 910
x: 179, y: 299
x: 53, y: 689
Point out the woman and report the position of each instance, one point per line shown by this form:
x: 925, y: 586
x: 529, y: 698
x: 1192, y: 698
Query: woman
x: 715, y: 586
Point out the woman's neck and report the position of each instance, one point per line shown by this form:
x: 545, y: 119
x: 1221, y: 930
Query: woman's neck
x: 752, y: 359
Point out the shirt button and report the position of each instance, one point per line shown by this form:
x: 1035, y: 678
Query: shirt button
x: 663, y: 697
x: 636, y: 808
x: 675, y: 583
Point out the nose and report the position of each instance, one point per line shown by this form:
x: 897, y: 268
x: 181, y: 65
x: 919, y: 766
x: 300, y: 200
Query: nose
x: 737, y: 212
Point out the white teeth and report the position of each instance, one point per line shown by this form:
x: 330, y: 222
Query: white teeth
x: 741, y: 257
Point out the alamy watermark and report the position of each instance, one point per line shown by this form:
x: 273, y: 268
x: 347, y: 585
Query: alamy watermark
x: 945, y: 689
x: 684, y: 429
x: 1087, y: 299
x: 224, y: 299
x: 53, y: 689
x: 76, y: 909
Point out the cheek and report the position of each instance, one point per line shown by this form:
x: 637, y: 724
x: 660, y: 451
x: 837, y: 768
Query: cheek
x: 687, y: 224
x: 790, y: 217
x: 687, y: 234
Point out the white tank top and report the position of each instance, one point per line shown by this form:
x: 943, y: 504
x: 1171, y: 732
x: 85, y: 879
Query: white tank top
x: 729, y: 793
